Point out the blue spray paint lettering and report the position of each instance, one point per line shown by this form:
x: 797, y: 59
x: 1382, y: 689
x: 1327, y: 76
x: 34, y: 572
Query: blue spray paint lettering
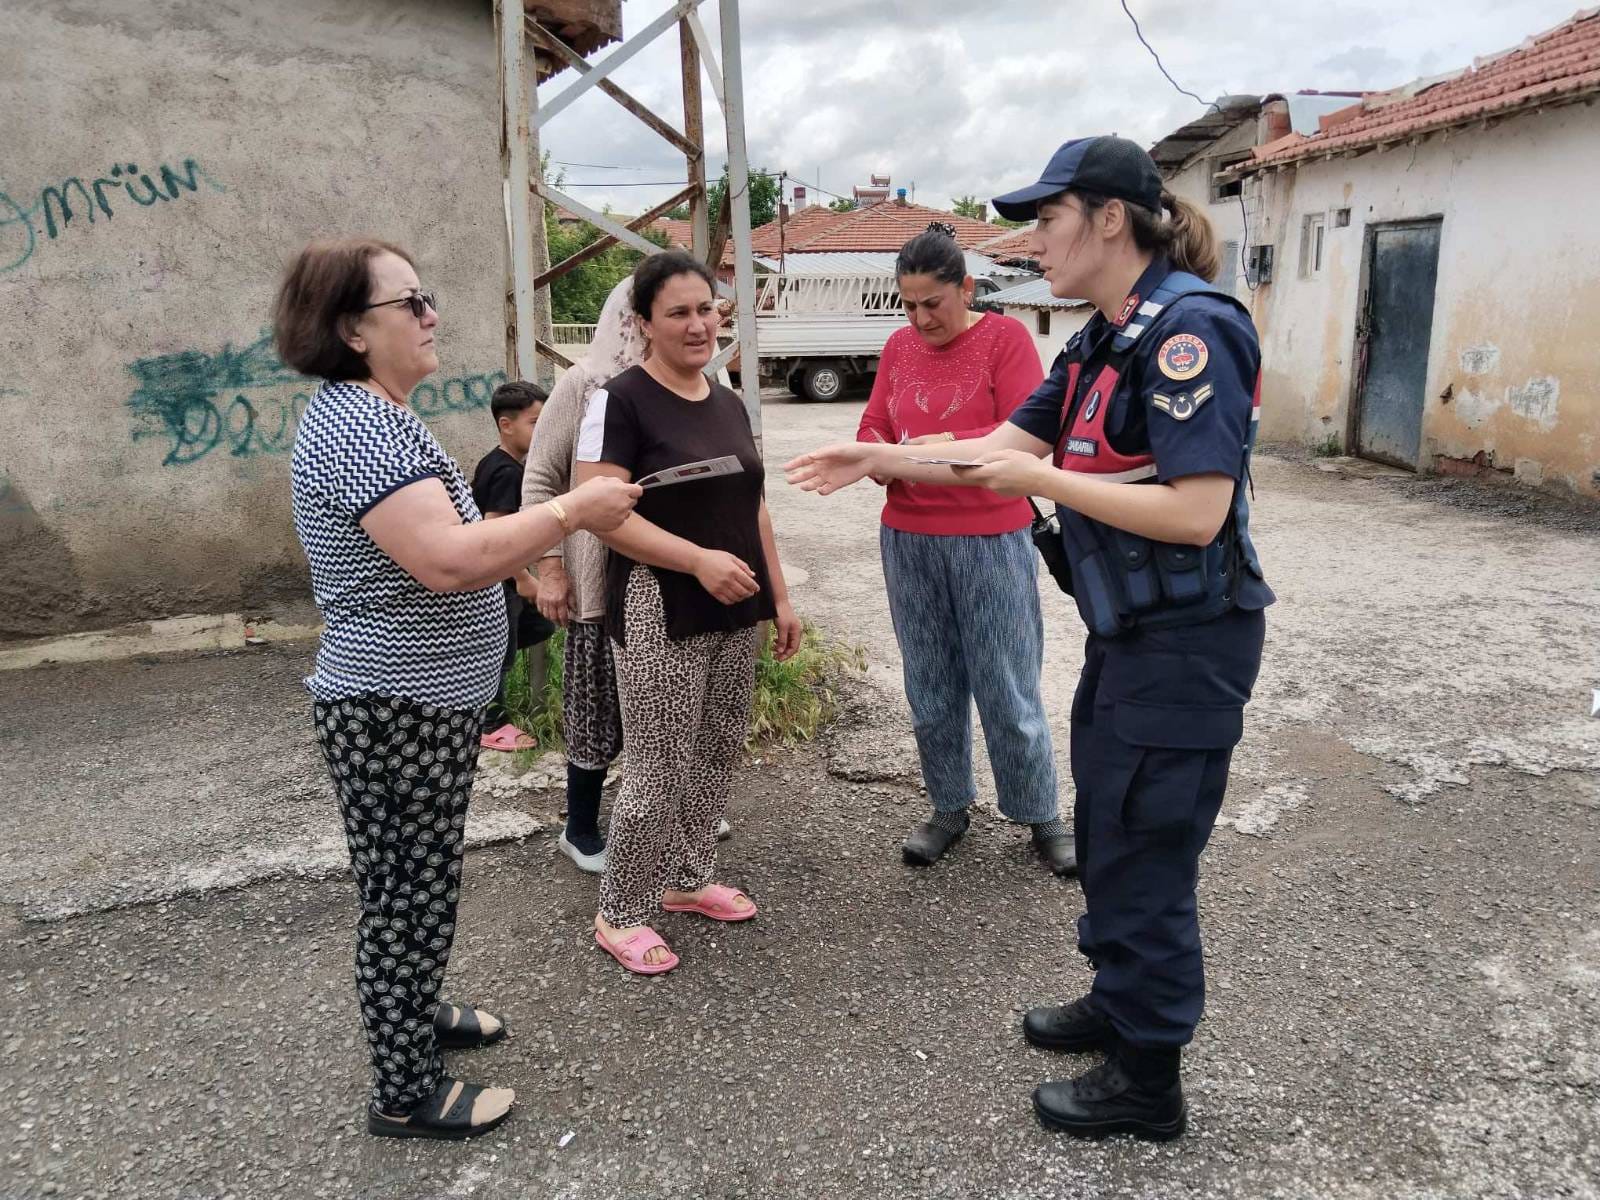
x: 58, y: 205
x: 247, y: 403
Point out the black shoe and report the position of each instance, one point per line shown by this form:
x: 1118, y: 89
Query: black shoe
x: 444, y: 1116
x: 928, y: 842
x: 462, y: 1027
x: 1132, y: 1096
x: 1068, y: 1029
x: 1059, y: 852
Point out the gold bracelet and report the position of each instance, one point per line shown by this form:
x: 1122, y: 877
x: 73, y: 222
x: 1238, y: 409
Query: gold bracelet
x: 561, y: 515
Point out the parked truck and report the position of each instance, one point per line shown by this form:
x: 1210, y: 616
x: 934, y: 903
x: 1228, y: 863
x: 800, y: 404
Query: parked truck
x: 820, y: 330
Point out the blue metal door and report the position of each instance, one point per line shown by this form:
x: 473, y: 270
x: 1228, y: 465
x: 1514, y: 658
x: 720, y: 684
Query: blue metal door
x: 1392, y: 335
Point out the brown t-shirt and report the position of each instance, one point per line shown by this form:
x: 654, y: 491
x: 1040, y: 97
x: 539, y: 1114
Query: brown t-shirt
x: 636, y: 423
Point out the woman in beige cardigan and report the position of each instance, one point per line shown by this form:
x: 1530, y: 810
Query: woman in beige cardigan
x: 572, y: 582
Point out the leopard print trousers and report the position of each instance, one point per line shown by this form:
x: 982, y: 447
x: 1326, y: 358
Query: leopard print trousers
x: 685, y: 717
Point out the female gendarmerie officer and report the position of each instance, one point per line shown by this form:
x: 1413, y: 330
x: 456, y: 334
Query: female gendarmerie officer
x: 1149, y: 414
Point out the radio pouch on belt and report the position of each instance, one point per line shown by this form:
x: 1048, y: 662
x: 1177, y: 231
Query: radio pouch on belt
x: 1046, y: 534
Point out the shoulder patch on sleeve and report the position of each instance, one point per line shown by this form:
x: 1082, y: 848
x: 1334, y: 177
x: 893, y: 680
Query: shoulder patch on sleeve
x: 1182, y: 405
x: 1182, y: 357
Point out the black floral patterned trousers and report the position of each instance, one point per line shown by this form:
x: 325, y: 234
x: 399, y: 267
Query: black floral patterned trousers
x: 402, y: 772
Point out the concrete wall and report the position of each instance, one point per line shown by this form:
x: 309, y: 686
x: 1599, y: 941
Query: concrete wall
x: 1515, y: 304
x: 144, y: 419
x: 1064, y: 322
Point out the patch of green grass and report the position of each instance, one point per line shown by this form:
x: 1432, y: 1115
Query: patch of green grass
x: 1328, y: 447
x: 539, y: 714
x: 794, y: 700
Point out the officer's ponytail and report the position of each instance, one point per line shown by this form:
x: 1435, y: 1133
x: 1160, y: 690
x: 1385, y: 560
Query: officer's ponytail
x: 1182, y: 232
x: 1191, y: 242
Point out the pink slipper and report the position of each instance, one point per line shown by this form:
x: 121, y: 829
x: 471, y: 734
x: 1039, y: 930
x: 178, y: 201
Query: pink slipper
x: 630, y: 951
x: 507, y: 737
x: 716, y: 902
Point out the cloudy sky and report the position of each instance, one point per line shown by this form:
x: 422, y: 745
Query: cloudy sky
x: 960, y: 96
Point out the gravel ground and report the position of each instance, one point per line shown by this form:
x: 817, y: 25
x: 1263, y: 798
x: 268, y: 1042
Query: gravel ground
x: 1402, y: 913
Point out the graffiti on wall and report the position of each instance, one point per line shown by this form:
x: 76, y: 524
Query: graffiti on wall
x: 52, y: 213
x: 10, y: 499
x: 246, y: 403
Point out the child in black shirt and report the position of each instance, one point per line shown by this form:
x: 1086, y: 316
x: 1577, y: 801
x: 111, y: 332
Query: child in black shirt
x: 497, y: 489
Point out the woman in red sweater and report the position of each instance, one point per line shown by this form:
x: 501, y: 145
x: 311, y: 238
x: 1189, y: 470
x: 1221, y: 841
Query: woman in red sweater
x: 964, y: 634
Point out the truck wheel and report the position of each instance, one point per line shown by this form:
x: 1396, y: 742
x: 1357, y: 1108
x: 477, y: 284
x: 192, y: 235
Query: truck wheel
x: 794, y: 382
x: 822, y: 383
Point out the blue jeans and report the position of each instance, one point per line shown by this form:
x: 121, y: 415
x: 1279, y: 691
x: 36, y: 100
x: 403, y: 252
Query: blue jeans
x: 966, y: 615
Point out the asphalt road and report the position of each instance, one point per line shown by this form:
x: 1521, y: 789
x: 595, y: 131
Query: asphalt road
x: 1402, y: 914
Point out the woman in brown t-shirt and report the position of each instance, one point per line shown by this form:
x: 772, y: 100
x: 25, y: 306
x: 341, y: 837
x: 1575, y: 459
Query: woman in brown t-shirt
x: 689, y: 577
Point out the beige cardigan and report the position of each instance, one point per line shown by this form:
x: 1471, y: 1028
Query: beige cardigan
x: 548, y: 473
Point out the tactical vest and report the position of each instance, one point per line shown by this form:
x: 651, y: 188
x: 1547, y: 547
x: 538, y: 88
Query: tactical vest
x: 1121, y: 581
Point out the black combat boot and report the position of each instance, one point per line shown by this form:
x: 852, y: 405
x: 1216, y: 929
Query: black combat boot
x: 1069, y: 1028
x: 1135, y: 1091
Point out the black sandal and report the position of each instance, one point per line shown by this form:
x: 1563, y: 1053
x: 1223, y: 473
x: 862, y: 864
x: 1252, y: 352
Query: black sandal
x: 431, y: 1119
x: 466, y: 1031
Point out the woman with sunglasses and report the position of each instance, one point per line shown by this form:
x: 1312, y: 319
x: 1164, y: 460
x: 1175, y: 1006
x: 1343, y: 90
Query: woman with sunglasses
x: 1141, y: 434
x: 407, y: 576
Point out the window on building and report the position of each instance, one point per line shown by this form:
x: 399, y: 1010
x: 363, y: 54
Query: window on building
x: 1225, y: 190
x: 1042, y: 322
x: 1313, y: 243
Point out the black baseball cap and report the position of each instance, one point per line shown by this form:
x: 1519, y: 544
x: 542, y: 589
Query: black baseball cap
x: 1111, y: 166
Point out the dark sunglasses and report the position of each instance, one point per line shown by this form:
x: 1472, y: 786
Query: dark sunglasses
x: 418, y: 302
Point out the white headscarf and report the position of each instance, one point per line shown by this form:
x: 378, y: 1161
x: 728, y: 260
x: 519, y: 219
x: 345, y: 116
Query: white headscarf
x: 618, y: 343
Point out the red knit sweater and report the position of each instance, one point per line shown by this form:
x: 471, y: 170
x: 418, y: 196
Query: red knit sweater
x: 967, y: 387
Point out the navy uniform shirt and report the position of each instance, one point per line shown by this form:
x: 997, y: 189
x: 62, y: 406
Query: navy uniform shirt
x: 1186, y: 395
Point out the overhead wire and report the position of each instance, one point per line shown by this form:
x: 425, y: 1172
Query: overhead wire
x: 1244, y: 213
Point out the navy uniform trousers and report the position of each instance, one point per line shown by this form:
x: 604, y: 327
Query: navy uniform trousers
x: 1154, y: 722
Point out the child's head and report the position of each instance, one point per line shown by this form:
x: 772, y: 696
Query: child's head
x: 516, y: 406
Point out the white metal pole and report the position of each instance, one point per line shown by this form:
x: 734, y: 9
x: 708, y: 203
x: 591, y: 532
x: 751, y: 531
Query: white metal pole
x: 744, y: 274
x: 517, y: 163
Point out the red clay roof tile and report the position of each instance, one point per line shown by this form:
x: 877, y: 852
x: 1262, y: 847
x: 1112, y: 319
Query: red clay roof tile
x: 1560, y: 65
x: 878, y: 227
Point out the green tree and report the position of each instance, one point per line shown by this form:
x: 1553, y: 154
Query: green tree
x: 577, y: 297
x: 842, y: 204
x: 967, y: 206
x: 763, y: 199
x: 763, y: 196
x: 1007, y: 223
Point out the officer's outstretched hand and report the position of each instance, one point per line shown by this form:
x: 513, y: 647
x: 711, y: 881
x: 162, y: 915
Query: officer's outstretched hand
x: 831, y: 467
x: 1007, y: 472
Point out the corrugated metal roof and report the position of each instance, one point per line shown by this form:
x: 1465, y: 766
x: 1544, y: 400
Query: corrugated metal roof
x: 1226, y: 113
x: 847, y: 262
x: 1033, y: 294
x: 1306, y: 109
